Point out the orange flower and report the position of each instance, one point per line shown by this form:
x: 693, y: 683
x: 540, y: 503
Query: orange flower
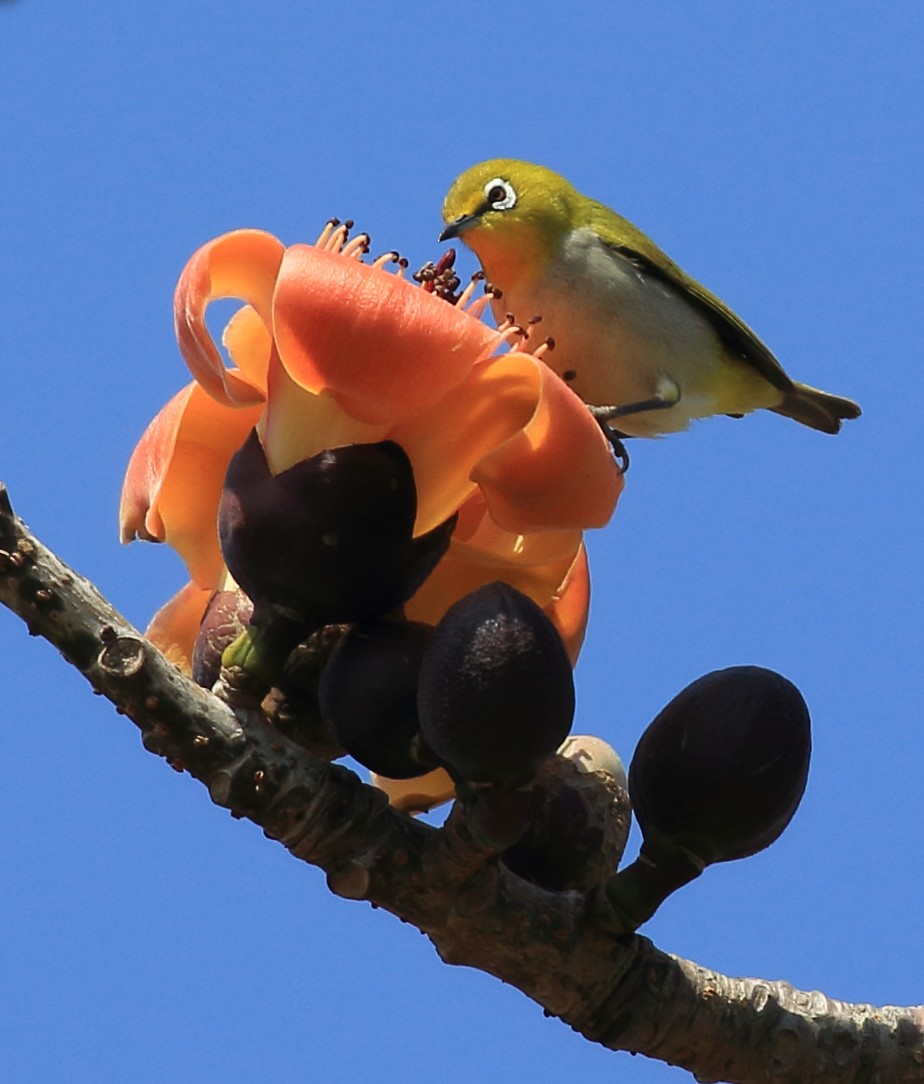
x: 329, y: 351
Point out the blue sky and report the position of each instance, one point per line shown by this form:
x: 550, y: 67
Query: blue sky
x: 774, y: 150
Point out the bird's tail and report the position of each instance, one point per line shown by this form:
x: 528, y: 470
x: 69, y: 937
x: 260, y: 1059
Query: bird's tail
x: 817, y: 409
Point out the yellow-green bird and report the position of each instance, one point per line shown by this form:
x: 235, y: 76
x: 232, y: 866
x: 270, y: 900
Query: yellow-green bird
x: 636, y: 337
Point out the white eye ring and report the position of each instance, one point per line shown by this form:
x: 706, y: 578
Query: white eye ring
x: 500, y: 194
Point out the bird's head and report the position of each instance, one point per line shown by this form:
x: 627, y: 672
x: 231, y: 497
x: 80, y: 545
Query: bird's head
x: 514, y: 215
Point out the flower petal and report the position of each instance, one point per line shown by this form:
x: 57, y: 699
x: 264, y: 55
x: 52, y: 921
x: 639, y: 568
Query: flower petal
x: 297, y: 424
x: 138, y: 513
x: 498, y: 548
x: 384, y: 348
x: 175, y: 626
x: 557, y: 472
x: 244, y: 264
x: 568, y: 608
x: 458, y: 574
x: 174, y: 478
x: 495, y: 401
x: 249, y: 345
x: 419, y: 794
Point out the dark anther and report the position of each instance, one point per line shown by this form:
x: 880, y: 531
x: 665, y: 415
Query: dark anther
x: 439, y: 278
x: 446, y: 261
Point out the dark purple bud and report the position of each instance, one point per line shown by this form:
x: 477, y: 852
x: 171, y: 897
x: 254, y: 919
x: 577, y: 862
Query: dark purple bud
x: 368, y: 696
x: 330, y: 539
x: 496, y: 693
x: 718, y: 775
x: 722, y: 769
x: 225, y: 619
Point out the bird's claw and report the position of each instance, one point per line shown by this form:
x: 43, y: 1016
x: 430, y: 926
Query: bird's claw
x: 614, y: 439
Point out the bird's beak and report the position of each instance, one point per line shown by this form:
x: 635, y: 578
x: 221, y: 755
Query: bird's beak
x: 461, y: 224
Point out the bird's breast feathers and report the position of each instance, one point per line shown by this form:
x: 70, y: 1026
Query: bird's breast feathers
x: 621, y: 333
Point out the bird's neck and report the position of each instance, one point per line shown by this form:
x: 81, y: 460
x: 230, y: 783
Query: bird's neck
x: 513, y: 260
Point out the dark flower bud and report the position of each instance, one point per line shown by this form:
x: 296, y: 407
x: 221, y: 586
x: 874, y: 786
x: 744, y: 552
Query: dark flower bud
x: 225, y: 618
x: 496, y: 693
x: 723, y: 767
x: 717, y: 776
x: 368, y: 696
x: 330, y: 539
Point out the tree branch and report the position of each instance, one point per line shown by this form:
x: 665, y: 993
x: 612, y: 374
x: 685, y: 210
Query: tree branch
x: 557, y: 947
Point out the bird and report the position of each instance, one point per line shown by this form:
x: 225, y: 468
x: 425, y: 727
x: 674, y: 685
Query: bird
x: 640, y: 341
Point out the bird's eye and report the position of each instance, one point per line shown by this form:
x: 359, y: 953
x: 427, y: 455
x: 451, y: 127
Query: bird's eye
x: 500, y: 194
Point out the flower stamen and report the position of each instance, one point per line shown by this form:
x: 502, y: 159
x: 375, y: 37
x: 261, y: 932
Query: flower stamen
x: 386, y: 258
x: 477, y: 307
x: 513, y: 335
x: 329, y: 226
x: 543, y: 348
x: 334, y: 235
x: 358, y: 247
x: 469, y: 290
x: 338, y: 237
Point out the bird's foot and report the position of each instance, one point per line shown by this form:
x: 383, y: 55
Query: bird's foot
x: 615, y: 440
x: 668, y: 395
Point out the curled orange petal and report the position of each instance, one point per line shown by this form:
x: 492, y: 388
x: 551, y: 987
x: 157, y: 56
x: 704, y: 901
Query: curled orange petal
x: 243, y: 264
x: 249, y: 345
x: 139, y: 516
x: 569, y: 605
x: 556, y: 472
x: 383, y: 348
x: 174, y: 478
x: 494, y: 401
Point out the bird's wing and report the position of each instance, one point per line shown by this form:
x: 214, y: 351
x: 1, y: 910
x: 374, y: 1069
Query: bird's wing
x: 633, y: 245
